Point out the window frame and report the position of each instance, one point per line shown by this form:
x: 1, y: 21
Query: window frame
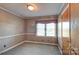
x: 45, y: 30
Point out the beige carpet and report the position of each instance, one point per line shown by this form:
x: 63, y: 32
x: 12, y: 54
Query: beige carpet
x: 33, y: 49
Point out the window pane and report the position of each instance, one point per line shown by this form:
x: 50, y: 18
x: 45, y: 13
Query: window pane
x: 40, y: 29
x: 65, y: 29
x: 50, y: 29
x: 59, y: 29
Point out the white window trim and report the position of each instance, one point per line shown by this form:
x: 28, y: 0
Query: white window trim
x: 45, y: 31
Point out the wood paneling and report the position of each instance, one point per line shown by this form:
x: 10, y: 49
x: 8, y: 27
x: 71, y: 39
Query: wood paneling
x: 75, y: 27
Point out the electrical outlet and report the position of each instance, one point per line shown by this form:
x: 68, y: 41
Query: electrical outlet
x: 4, y: 46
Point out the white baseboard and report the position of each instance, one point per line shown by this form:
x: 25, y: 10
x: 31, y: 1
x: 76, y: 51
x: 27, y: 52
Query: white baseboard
x: 25, y: 42
x: 41, y: 42
x: 11, y: 47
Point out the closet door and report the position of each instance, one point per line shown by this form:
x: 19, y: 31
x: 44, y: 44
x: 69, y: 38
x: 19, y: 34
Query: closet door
x: 74, y: 28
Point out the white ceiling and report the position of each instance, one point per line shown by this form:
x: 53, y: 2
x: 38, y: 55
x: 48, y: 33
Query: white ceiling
x: 43, y: 9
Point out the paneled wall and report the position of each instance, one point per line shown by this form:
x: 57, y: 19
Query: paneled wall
x: 75, y: 27
x: 11, y: 30
x: 31, y: 32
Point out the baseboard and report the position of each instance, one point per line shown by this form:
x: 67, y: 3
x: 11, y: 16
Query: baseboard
x: 41, y: 42
x: 25, y: 42
x: 60, y: 50
x: 11, y: 47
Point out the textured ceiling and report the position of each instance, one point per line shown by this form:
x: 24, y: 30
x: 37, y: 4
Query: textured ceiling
x: 43, y: 9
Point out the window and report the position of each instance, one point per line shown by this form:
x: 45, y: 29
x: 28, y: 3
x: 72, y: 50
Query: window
x: 50, y: 29
x: 47, y: 29
x: 40, y: 29
x: 65, y: 29
x: 59, y: 29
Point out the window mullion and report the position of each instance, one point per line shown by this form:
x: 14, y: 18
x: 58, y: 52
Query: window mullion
x: 45, y: 29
